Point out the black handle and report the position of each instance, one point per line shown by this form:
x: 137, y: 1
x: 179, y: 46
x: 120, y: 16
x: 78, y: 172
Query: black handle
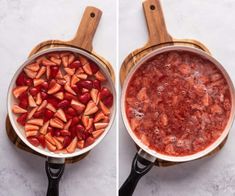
x: 54, y: 173
x: 140, y: 167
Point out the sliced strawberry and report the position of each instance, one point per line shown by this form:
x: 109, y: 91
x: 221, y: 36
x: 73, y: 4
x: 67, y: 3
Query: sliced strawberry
x: 59, y: 146
x: 31, y: 133
x: 67, y: 77
x: 33, y: 91
x: 49, y: 138
x: 61, y: 115
x: 34, y: 141
x: 75, y: 121
x: 95, y: 95
x: 31, y: 101
x: 82, y: 76
x: 89, y: 141
x: 24, y: 103
x: 76, y: 64
x: 19, y: 90
x: 85, y: 84
x: 100, y: 125
x: 80, y: 144
x: 54, y: 54
x: 71, y: 59
x: 44, y: 86
x: 99, y: 116
x: 54, y: 89
x: 43, y: 129
x: 59, y: 75
x: 28, y: 82
x: 99, y: 76
x: 54, y: 71
x: 74, y: 80
x: 65, y: 61
x: 20, y: 79
x: 65, y: 133
x: 96, y: 84
x: 31, y: 113
x: 18, y: 110
x: 31, y: 74
x: 67, y: 141
x: 71, y: 111
x: 61, y: 81
x: 104, y: 93
x: 55, y: 60
x: 50, y: 147
x: 94, y: 67
x: 106, y: 119
x: 64, y: 104
x: 53, y: 101
x: 69, y: 89
x: 97, y: 133
x: 104, y: 109
x: 42, y: 141
x: 39, y: 114
x: 59, y: 95
x: 48, y: 115
x: 50, y: 107
x: 60, y: 139
x: 67, y: 125
x: 48, y: 72
x: 91, y: 108
x: 69, y: 96
x: 73, y: 132
x: 47, y: 62
x: 55, y: 133
x: 43, y: 105
x: 56, y: 123
x: 69, y: 71
x: 79, y: 107
x: 108, y: 101
x: 72, y: 146
x: 33, y: 67
x: 43, y: 95
x: 90, y: 123
x: 84, y: 98
x: 85, y: 120
x: 41, y: 71
x: 87, y: 69
x: 36, y: 121
x: 29, y: 127
x: 79, y: 71
x: 22, y: 119
x: 80, y: 128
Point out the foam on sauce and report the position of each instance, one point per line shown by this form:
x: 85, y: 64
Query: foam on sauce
x: 178, y: 103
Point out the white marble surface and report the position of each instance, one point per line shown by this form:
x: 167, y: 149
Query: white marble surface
x: 212, y: 22
x: 23, y: 24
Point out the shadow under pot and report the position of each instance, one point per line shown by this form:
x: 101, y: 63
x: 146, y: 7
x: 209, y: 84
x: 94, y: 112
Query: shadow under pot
x: 177, y: 105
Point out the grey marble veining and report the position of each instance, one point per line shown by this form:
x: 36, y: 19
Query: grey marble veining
x: 211, y: 22
x: 23, y: 24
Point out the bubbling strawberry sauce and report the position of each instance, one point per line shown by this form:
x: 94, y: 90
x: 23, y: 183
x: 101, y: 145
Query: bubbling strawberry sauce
x: 178, y: 103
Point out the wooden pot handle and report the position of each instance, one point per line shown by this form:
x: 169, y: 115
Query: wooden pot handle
x: 87, y: 28
x: 156, y: 23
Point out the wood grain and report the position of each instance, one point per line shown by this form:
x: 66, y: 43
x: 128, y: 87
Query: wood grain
x: 158, y: 37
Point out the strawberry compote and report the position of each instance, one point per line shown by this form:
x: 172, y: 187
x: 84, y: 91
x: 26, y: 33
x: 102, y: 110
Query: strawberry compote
x: 178, y: 103
x: 62, y: 101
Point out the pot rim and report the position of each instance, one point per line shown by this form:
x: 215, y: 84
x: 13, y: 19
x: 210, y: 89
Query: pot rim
x: 19, y: 129
x: 199, y: 154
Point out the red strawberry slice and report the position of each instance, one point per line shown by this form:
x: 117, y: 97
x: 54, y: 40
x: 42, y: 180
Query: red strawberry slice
x: 36, y: 121
x: 31, y: 133
x: 69, y: 89
x: 44, y: 86
x: 71, y: 59
x: 47, y: 62
x: 34, y: 141
x: 85, y: 84
x: 82, y: 76
x: 56, y: 123
x: 38, y: 99
x: 39, y: 114
x: 31, y: 74
x: 61, y: 81
x: 100, y: 125
x: 67, y: 141
x: 31, y: 113
x: 42, y: 141
x: 55, y: 60
x: 59, y: 95
x: 43, y: 129
x: 84, y: 98
x: 79, y: 107
x: 31, y: 101
x: 99, y: 116
x: 74, y: 80
x: 43, y: 105
x: 20, y: 79
x: 18, y: 110
x: 75, y: 121
x: 51, y: 107
x: 54, y: 71
x: 43, y: 95
x: 49, y: 138
x: 99, y: 76
x: 33, y: 91
x: 19, y: 90
x: 76, y: 64
x: 72, y: 146
x: 65, y: 133
x: 94, y: 67
x: 24, y: 103
x: 104, y: 93
x: 59, y: 75
x: 41, y: 71
x: 96, y: 84
x: 87, y: 69
x: 67, y: 125
x: 80, y: 128
x: 53, y: 101
x: 61, y: 115
x: 59, y: 146
x: 55, y: 88
x: 91, y: 108
x: 28, y: 82
x: 69, y: 96
x: 104, y: 109
x: 97, y: 133
x: 64, y: 104
x: 22, y: 119
x: 48, y: 115
x: 89, y: 141
x: 29, y: 127
x: 33, y: 67
x: 80, y: 144
x: 90, y: 123
x: 69, y: 71
x: 108, y: 101
x: 65, y: 61
x: 85, y: 120
x: 95, y: 95
x: 50, y: 146
x: 71, y: 111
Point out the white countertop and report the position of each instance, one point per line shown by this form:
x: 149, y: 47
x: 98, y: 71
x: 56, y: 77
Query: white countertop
x: 211, y: 22
x: 23, y: 24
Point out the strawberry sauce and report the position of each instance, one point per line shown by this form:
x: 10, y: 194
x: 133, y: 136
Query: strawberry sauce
x: 178, y: 103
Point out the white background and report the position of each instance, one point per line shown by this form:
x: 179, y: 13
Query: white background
x: 211, y: 22
x: 23, y: 24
